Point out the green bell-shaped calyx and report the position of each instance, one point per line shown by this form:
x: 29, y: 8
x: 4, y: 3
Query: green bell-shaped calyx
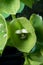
x: 37, y: 23
x: 3, y: 33
x: 29, y: 2
x: 22, y: 5
x: 36, y: 20
x: 5, y: 15
x: 22, y: 34
x: 9, y: 6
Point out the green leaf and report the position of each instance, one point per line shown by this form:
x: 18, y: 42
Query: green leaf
x: 29, y: 2
x: 36, y: 57
x: 34, y: 62
x: 3, y: 33
x: 21, y: 7
x: 39, y: 59
x: 9, y: 6
x: 24, y: 45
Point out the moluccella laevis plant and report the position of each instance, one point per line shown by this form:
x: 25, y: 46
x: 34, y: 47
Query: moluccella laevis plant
x: 26, y: 35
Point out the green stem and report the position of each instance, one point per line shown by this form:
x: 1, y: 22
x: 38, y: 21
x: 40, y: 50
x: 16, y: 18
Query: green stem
x: 26, y: 62
x: 13, y: 16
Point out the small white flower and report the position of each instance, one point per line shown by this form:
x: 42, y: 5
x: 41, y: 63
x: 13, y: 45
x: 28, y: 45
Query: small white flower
x: 18, y: 32
x: 24, y: 31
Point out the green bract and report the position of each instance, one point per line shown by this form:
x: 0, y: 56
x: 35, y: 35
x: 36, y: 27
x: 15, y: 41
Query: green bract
x: 3, y: 33
x: 9, y: 6
x: 24, y: 26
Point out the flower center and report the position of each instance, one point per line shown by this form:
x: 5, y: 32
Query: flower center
x: 22, y: 33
